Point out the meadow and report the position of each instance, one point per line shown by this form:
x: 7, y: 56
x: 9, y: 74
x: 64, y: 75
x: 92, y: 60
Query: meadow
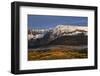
x: 56, y: 53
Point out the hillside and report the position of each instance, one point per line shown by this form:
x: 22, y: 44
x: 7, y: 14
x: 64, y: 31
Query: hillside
x: 70, y: 40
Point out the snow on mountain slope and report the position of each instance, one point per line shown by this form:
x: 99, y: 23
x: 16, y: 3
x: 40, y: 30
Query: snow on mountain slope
x: 68, y: 28
x: 62, y: 30
x: 58, y: 31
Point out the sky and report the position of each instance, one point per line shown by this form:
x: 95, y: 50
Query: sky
x: 47, y: 21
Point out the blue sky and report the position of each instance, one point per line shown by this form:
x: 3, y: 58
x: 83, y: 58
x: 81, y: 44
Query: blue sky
x: 47, y: 21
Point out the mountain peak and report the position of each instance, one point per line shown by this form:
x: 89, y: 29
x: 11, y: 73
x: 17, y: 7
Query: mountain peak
x: 59, y: 26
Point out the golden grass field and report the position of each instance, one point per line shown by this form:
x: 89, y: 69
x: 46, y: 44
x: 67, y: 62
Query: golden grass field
x: 56, y: 54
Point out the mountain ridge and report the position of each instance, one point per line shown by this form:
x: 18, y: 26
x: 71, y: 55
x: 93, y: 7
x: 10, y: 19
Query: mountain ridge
x: 59, y: 30
x: 60, y: 35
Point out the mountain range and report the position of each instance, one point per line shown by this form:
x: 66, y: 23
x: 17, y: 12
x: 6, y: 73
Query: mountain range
x: 60, y: 35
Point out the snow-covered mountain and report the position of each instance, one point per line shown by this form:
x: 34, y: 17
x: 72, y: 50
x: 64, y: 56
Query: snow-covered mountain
x: 37, y: 33
x: 63, y: 30
x: 58, y: 31
x: 69, y: 29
